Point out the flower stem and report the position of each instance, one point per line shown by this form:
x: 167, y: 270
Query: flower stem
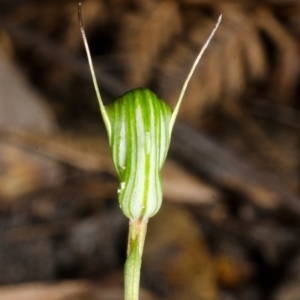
x: 136, y: 239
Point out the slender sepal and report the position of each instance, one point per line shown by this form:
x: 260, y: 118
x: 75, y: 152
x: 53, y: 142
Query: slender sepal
x: 186, y: 82
x: 102, y: 108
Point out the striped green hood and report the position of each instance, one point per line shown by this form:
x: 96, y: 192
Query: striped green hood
x: 139, y: 140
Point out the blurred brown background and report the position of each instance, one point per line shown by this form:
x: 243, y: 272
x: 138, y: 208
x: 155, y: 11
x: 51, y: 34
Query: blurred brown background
x: 229, y: 225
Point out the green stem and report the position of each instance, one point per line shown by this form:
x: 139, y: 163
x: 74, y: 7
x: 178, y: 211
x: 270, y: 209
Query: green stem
x: 136, y: 239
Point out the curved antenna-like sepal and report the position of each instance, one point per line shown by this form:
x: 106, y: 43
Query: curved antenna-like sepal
x: 86, y: 46
x: 175, y: 112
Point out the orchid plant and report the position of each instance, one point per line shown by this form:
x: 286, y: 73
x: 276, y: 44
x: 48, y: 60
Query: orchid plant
x: 139, y: 127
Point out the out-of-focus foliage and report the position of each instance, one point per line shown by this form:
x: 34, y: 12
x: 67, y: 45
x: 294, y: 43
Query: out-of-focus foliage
x: 240, y: 228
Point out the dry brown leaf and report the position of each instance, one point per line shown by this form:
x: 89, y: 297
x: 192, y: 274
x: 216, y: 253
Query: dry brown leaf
x: 177, y: 256
x: 234, y: 75
x: 235, y: 25
x: 66, y: 290
x: 233, y: 271
x: 214, y: 71
x: 285, y: 75
x: 144, y: 36
x: 181, y: 186
x: 22, y: 106
x: 171, y: 76
x: 255, y: 56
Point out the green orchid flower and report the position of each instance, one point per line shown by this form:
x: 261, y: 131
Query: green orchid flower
x: 139, y: 127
